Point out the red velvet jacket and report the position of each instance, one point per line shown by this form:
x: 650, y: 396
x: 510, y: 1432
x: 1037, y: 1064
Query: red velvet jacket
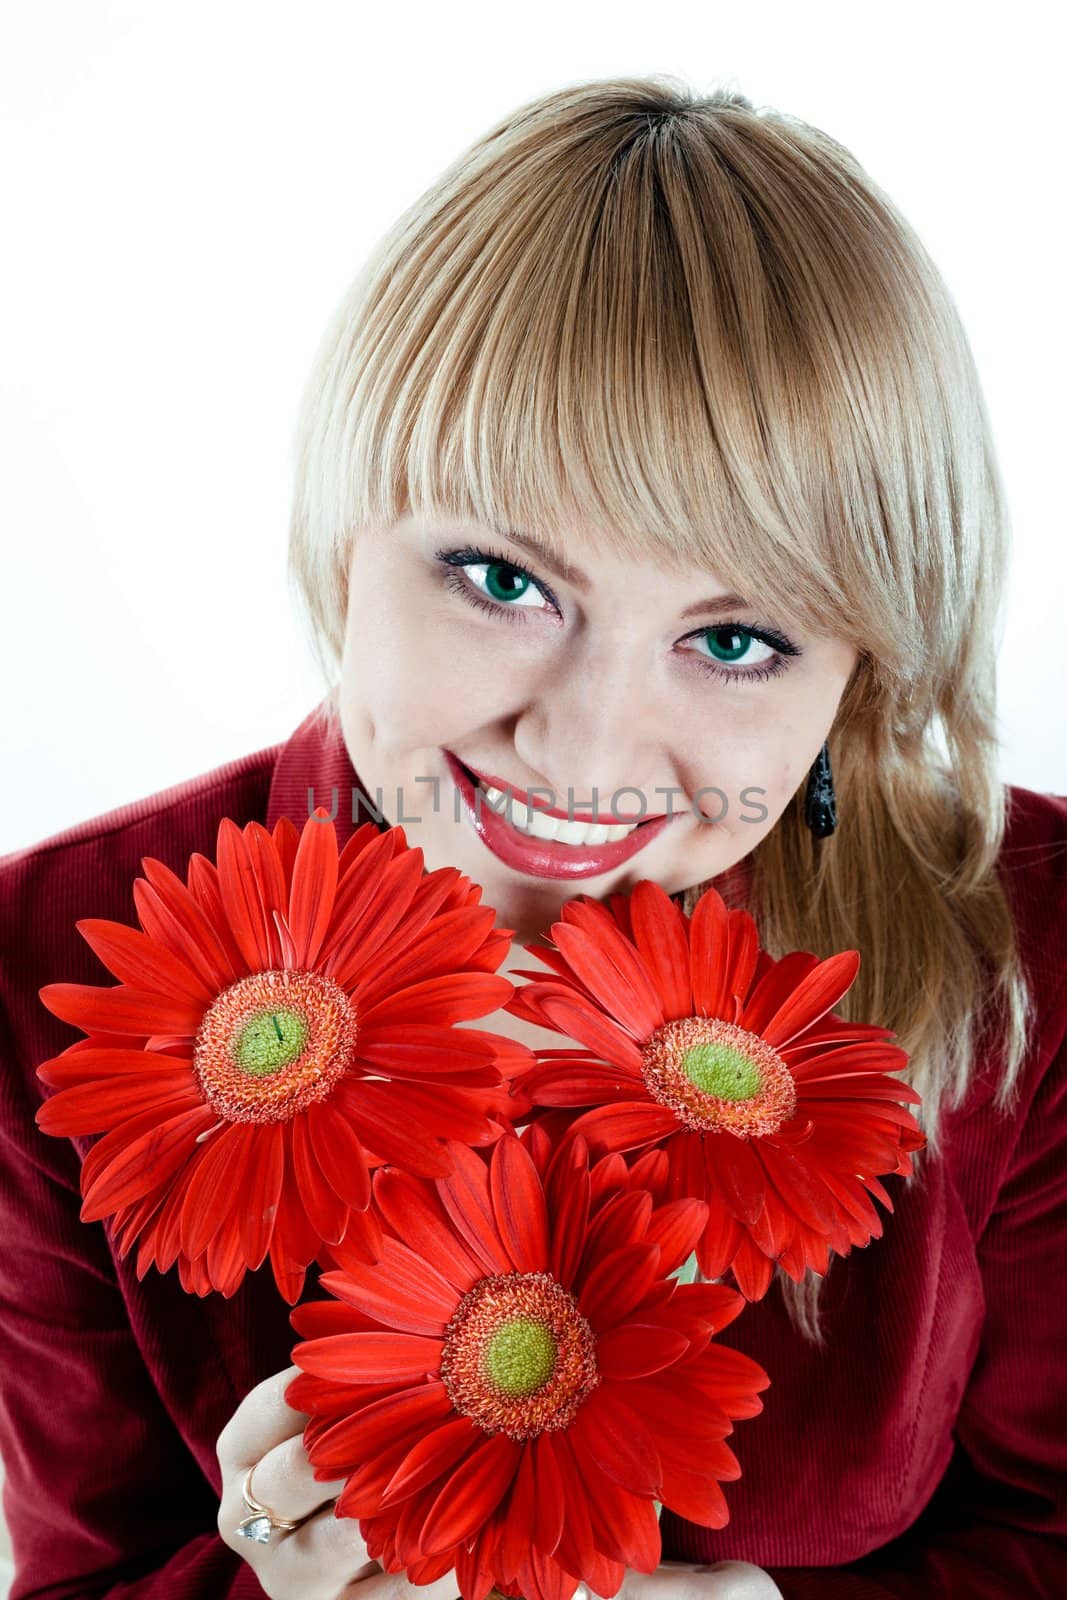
x: 922, y: 1451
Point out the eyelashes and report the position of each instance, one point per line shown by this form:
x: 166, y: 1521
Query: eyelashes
x: 457, y: 580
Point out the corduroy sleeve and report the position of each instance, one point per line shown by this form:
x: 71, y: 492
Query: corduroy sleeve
x: 101, y: 1496
x: 997, y: 1523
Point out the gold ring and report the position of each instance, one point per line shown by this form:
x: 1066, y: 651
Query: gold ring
x: 261, y: 1521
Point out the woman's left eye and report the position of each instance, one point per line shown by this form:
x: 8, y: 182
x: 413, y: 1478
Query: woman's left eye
x: 730, y: 643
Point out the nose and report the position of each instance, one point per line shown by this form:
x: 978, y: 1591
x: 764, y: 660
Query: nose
x: 593, y: 722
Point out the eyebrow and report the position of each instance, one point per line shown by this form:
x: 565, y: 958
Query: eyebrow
x: 718, y: 604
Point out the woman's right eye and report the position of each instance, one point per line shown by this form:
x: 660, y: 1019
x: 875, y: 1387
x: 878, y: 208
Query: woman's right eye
x: 508, y: 588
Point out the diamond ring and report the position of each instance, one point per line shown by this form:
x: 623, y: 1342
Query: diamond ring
x: 261, y: 1521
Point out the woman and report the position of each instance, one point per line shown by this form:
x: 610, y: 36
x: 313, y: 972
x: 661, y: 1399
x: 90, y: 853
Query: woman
x: 644, y: 472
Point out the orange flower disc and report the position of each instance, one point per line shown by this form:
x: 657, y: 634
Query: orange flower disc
x: 273, y: 1043
x: 718, y: 1077
x: 519, y: 1358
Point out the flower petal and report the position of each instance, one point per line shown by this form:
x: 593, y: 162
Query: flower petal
x: 105, y: 1102
x: 431, y: 1456
x: 627, y: 1126
x: 143, y: 963
x: 326, y: 1210
x: 634, y: 1349
x: 121, y: 1009
x: 311, y: 897
x: 384, y: 1422
x: 814, y: 995
x: 428, y: 1051
x: 709, y: 945
x: 578, y: 1081
x: 611, y: 970
x: 370, y: 1357
x: 402, y: 1290
x: 146, y: 1161
x: 413, y: 1210
x: 384, y: 1124
x: 242, y: 898
x: 211, y: 1200
x: 567, y: 1193
x: 519, y: 1206
x: 695, y: 1496
x: 577, y: 1019
x: 773, y: 986
x: 266, y: 1172
x: 450, y: 997
x: 676, y: 1227
x: 660, y: 933
x: 471, y: 1495
x: 174, y: 917
x: 87, y: 1062
x: 466, y: 1196
x: 616, y: 1283
x: 340, y: 1156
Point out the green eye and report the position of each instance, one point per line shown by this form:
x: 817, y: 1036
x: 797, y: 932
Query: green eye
x: 729, y: 643
x: 494, y: 584
x: 503, y: 581
x: 730, y: 646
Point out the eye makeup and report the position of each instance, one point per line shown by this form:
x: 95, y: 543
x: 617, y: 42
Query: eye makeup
x: 455, y: 560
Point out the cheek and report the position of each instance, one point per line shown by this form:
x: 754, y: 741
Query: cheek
x: 783, y: 759
x: 419, y: 681
x: 757, y: 760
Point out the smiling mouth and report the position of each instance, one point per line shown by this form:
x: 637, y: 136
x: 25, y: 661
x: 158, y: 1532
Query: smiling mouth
x: 538, y: 823
x: 517, y: 835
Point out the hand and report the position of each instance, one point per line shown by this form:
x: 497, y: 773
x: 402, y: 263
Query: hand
x: 325, y: 1558
x: 687, y: 1580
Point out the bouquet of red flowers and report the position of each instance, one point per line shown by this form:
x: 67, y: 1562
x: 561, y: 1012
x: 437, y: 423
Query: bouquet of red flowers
x: 506, y: 1369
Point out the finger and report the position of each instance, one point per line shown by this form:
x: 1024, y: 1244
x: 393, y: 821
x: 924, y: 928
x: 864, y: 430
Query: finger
x: 323, y: 1544
x: 296, y: 1496
x: 395, y: 1586
x: 672, y: 1580
x: 327, y: 1543
x: 262, y: 1420
x: 285, y: 1481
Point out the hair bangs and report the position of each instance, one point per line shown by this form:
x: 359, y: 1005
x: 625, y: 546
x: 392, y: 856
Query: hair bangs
x: 647, y: 363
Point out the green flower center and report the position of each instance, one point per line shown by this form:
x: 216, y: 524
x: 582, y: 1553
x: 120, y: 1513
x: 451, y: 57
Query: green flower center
x: 718, y: 1077
x: 521, y: 1356
x: 270, y: 1041
x: 274, y: 1043
x: 720, y: 1070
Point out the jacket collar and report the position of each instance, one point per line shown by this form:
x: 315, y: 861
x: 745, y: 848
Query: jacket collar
x: 313, y: 768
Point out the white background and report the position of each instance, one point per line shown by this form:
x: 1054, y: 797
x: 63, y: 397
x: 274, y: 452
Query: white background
x: 189, y: 188
x: 186, y: 191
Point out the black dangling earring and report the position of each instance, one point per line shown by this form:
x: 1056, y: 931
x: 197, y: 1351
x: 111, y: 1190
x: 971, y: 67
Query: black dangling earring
x: 820, y: 802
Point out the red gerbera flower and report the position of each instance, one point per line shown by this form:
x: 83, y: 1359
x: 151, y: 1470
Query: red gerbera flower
x: 775, y: 1112
x: 282, y: 1026
x: 518, y: 1381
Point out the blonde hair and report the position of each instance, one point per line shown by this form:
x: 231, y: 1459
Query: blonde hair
x: 700, y: 325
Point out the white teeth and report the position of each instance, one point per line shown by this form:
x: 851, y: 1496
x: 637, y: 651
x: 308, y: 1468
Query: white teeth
x: 538, y: 826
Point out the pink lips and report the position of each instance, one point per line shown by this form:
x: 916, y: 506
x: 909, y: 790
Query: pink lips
x: 546, y: 858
